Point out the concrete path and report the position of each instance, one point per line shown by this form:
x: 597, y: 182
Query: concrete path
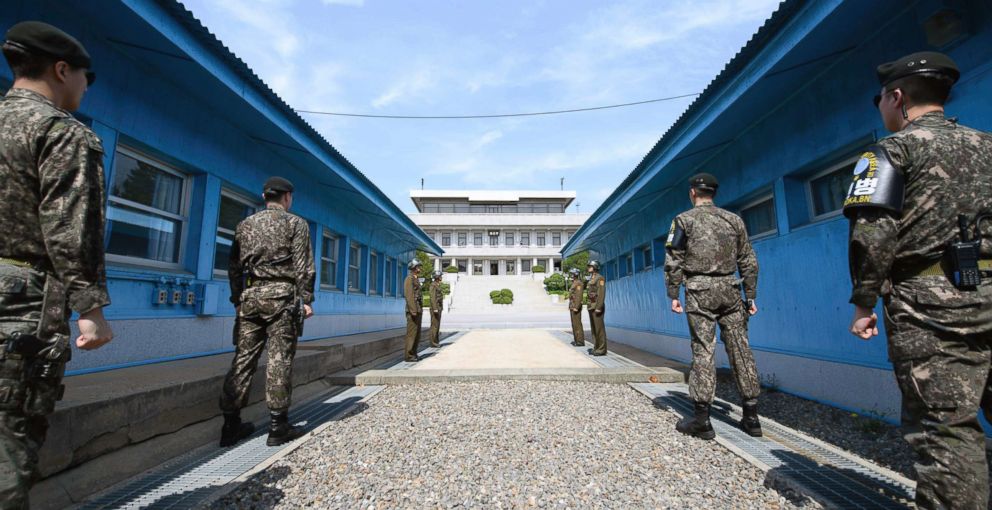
x: 509, y: 348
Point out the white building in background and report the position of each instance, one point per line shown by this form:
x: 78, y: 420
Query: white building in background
x: 497, y: 232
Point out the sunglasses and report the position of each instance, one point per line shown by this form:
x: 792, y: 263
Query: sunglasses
x: 90, y: 78
x: 877, y: 100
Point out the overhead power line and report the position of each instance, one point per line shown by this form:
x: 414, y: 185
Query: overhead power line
x: 499, y: 115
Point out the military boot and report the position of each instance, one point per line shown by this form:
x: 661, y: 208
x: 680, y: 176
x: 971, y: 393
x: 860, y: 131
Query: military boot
x: 280, y: 431
x: 697, y: 425
x: 234, y: 430
x: 750, y: 423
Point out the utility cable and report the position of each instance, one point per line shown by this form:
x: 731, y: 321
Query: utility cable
x: 499, y: 115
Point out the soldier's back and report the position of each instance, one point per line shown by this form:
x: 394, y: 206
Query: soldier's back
x: 712, y: 236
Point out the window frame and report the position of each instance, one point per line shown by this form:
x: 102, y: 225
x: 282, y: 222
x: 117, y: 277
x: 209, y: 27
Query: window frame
x: 355, y: 263
x: 240, y: 197
x: 540, y: 239
x: 327, y: 233
x: 445, y: 238
x: 647, y: 251
x: 762, y: 198
x: 522, y: 243
x: 477, y: 239
x: 808, y: 186
x: 183, y: 218
x: 462, y: 239
x: 373, y: 272
x: 556, y: 238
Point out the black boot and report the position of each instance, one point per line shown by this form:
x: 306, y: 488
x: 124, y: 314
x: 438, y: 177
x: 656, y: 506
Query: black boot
x: 750, y: 423
x: 234, y: 430
x: 280, y: 431
x: 699, y: 424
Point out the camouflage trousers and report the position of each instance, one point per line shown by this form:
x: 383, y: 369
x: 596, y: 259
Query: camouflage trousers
x: 29, y: 303
x: 412, y: 335
x: 711, y: 301
x: 939, y: 343
x: 435, y: 333
x: 578, y: 334
x: 281, y: 346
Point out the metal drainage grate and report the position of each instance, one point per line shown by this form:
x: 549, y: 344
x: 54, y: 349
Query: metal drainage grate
x: 192, y: 478
x: 835, y: 478
x: 611, y: 360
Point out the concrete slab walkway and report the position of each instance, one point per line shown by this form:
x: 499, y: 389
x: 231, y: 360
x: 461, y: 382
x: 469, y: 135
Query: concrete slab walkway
x: 509, y: 348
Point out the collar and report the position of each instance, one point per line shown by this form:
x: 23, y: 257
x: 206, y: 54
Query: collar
x: 275, y: 206
x: 30, y: 95
x: 705, y: 204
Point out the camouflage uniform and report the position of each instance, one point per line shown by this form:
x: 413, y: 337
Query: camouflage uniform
x: 51, y: 208
x: 597, y: 309
x: 575, y: 310
x: 939, y: 337
x: 437, y: 305
x: 716, y: 247
x: 414, y: 314
x: 271, y: 267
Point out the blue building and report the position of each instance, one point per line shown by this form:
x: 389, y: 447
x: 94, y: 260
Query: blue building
x: 190, y: 135
x: 781, y: 127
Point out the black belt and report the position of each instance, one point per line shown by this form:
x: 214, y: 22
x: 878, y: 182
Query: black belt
x: 256, y: 282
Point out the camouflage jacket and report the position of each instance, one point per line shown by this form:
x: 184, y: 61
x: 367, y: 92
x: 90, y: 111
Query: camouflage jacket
x: 437, y: 297
x: 597, y: 292
x: 413, y: 294
x: 716, y: 244
x: 52, y: 197
x: 575, y: 294
x: 272, y: 247
x: 947, y: 171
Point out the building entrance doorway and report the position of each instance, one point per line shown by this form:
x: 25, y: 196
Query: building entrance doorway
x: 493, y: 267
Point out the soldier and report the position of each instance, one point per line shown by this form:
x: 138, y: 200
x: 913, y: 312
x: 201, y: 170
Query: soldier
x: 271, y: 271
x: 918, y: 240
x: 597, y: 307
x: 706, y: 247
x: 575, y: 307
x: 437, y: 305
x: 414, y: 308
x: 51, y: 252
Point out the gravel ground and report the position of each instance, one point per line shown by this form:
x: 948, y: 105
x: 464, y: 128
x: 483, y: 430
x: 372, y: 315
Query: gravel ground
x: 872, y: 439
x: 508, y: 445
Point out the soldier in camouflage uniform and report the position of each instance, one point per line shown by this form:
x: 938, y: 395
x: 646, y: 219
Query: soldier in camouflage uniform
x: 437, y: 305
x: 414, y: 310
x: 904, y: 205
x: 597, y: 308
x: 51, y: 252
x: 706, y: 247
x: 575, y: 308
x: 271, y: 271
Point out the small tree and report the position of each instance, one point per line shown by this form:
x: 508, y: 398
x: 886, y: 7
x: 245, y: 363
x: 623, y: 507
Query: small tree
x: 555, y: 282
x: 426, y: 263
x: 577, y: 260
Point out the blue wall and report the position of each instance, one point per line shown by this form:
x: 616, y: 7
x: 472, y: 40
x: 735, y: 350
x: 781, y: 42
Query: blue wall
x: 805, y: 109
x: 165, y: 93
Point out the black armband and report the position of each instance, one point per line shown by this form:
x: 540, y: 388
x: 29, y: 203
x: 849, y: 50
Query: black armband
x: 877, y: 183
x: 676, y: 237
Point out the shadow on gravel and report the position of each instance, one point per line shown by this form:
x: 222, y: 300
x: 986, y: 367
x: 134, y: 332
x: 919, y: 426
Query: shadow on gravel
x: 832, y: 486
x: 260, y: 491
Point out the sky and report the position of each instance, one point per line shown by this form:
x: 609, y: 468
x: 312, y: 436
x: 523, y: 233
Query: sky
x: 466, y: 57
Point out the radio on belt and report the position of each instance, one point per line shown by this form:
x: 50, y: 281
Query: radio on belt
x: 963, y: 258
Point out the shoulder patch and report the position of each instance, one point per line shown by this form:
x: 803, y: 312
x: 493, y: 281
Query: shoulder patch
x: 602, y: 282
x: 676, y: 236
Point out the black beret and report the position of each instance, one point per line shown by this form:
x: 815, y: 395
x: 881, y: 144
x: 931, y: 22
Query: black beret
x: 922, y: 62
x: 38, y: 37
x: 277, y: 184
x: 704, y: 182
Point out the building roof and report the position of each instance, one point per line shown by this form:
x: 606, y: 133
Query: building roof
x: 491, y: 196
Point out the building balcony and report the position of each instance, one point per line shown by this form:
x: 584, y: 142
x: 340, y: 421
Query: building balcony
x: 508, y: 252
x: 489, y: 220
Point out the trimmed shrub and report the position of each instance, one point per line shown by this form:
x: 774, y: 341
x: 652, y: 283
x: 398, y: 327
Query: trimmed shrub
x: 494, y: 294
x: 451, y: 269
x: 445, y: 288
x: 427, y: 301
x: 507, y: 293
x: 554, y: 282
x: 537, y: 269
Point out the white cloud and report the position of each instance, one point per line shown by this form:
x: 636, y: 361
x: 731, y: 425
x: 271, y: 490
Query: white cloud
x: 411, y: 85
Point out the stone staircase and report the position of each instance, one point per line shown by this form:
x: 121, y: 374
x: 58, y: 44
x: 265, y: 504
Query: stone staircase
x: 471, y: 295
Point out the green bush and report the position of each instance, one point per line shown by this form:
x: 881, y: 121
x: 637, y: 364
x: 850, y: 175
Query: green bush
x: 451, y: 269
x: 445, y: 288
x: 507, y: 293
x: 501, y: 297
x: 502, y: 301
x: 427, y: 301
x: 537, y: 269
x: 494, y: 294
x: 555, y: 282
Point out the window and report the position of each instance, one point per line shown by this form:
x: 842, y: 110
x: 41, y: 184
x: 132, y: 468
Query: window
x: 329, y: 261
x: 477, y: 239
x: 646, y: 259
x: 525, y: 239
x: 354, y: 266
x: 462, y: 239
x: 828, y: 189
x: 146, y: 210
x: 446, y: 239
x: 509, y: 238
x: 540, y: 238
x: 511, y: 267
x: 556, y: 239
x: 233, y: 209
x: 476, y: 267
x: 399, y: 278
x: 759, y: 217
x: 462, y: 265
x: 525, y: 265
x: 374, y: 273
x: 628, y: 265
x: 659, y: 248
x: 494, y: 239
x: 389, y: 276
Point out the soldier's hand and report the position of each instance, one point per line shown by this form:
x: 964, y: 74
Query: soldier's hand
x: 307, y: 311
x: 865, y: 323
x: 676, y: 306
x: 94, y: 331
x: 752, y: 307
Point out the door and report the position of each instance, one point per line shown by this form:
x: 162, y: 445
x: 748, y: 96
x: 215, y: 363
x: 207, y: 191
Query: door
x: 494, y: 267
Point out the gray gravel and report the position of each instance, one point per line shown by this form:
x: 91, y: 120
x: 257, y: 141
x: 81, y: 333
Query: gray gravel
x: 508, y: 445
